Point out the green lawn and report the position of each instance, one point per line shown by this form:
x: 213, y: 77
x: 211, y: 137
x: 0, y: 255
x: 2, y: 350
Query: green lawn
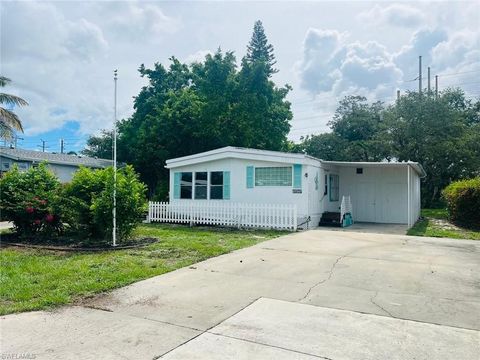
x: 435, y: 224
x: 38, y: 279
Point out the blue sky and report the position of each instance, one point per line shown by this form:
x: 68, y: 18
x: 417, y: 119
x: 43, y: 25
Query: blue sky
x: 61, y: 55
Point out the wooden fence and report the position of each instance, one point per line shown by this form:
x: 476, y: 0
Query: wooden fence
x: 241, y: 215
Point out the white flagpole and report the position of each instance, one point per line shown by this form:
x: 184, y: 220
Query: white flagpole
x: 114, y: 211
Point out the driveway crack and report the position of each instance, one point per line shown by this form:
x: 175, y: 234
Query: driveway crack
x: 372, y: 300
x: 330, y: 274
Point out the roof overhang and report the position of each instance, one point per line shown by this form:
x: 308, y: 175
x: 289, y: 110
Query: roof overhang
x: 231, y: 152
x: 414, y: 165
x: 49, y: 161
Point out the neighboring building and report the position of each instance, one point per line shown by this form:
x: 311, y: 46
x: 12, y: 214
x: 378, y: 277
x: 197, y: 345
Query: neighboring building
x: 62, y: 165
x: 380, y: 192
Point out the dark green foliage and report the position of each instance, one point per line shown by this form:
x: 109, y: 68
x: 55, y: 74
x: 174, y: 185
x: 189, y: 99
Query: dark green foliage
x: 99, y: 146
x: 357, y: 133
x: 90, y: 198
x: 186, y: 109
x: 32, y: 201
x: 443, y: 134
x: 463, y: 202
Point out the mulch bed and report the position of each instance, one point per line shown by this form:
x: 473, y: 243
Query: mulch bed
x: 69, y: 244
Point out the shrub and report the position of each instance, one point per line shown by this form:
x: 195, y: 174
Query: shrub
x: 31, y: 200
x: 90, y: 199
x: 463, y: 202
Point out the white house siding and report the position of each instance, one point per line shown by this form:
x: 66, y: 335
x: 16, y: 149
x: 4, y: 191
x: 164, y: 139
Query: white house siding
x: 415, y: 199
x: 315, y: 192
x: 258, y: 194
x: 378, y: 195
x: 327, y: 204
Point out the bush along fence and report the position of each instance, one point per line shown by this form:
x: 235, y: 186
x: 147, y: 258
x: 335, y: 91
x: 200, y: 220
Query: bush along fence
x: 241, y: 215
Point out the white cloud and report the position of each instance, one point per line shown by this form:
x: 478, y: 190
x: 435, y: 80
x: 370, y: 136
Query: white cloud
x: 63, y: 65
x: 331, y: 63
x: 400, y: 15
x: 197, y: 56
x: 139, y: 21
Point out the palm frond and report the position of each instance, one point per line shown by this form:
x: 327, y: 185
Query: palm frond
x: 4, y: 81
x: 12, y: 100
x: 10, y: 119
x: 6, y: 132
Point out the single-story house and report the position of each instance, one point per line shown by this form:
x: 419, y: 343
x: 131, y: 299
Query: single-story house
x: 62, y: 165
x: 379, y: 192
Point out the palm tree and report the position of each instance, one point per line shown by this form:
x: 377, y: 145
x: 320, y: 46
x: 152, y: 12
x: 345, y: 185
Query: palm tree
x: 9, y: 121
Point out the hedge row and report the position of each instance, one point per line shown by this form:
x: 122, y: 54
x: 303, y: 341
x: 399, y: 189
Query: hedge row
x: 463, y: 202
x: 39, y: 206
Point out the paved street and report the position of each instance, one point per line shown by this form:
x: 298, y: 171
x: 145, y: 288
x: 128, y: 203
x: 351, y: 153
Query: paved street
x: 316, y: 294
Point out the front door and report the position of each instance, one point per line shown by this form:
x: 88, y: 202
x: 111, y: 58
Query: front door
x: 365, y: 203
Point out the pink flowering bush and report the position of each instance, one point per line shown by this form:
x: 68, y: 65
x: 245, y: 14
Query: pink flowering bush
x: 32, y: 201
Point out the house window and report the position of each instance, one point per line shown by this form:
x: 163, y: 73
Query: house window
x: 186, y: 185
x: 6, y: 166
x: 201, y: 182
x: 273, y: 176
x: 22, y: 166
x: 216, y: 185
x: 325, y: 191
x: 334, y: 187
x: 359, y: 170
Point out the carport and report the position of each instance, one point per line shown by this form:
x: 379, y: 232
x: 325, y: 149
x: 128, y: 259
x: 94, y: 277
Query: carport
x: 387, y: 193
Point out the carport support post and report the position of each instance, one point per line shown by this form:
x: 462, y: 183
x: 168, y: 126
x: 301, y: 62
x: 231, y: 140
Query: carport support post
x: 408, y: 196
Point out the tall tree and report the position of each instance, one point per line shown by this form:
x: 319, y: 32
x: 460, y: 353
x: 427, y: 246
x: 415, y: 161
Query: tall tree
x: 259, y: 50
x: 99, y: 146
x: 9, y: 121
x: 185, y: 109
x: 442, y: 134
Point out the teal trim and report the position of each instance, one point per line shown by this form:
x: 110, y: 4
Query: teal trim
x: 176, y: 185
x: 226, y: 185
x: 297, y: 176
x: 250, y: 175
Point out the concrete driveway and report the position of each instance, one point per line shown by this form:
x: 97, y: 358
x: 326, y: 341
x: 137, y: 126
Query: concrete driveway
x: 317, y: 294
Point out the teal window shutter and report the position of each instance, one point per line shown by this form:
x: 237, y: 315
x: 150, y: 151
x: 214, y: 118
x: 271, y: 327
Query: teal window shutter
x: 176, y: 185
x: 226, y: 185
x: 297, y: 176
x: 250, y: 177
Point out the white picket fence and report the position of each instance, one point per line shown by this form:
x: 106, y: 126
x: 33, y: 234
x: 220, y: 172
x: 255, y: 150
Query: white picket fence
x: 241, y: 215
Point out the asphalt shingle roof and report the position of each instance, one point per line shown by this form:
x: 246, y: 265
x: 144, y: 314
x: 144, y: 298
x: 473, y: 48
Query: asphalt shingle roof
x: 38, y: 156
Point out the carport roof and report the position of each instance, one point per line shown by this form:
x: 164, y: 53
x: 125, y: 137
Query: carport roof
x: 415, y: 165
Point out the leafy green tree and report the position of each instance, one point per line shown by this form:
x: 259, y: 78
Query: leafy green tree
x: 362, y: 126
x: 185, y: 109
x: 99, y: 146
x: 9, y: 121
x: 442, y: 134
x: 327, y: 146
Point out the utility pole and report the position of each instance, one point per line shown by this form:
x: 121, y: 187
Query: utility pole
x: 16, y: 139
x: 62, y: 146
x: 436, y: 86
x: 114, y: 211
x: 398, y: 94
x: 43, y: 145
x: 420, y: 75
x: 428, y: 86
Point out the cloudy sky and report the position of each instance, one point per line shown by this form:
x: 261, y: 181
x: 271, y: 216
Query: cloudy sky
x: 61, y: 55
